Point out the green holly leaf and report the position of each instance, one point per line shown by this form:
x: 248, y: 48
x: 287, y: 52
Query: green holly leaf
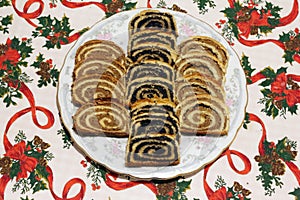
x: 4, y: 3
x: 32, y: 179
x: 285, y: 37
x: 66, y: 138
x: 293, y: 109
x: 41, y: 170
x: 40, y: 185
x: 5, y: 22
x: 106, y: 1
x: 273, y: 22
x: 266, y: 82
x: 246, y: 121
x: 281, y: 70
x: 247, y: 68
x: 26, y: 198
x: 282, y: 151
x: 183, y: 185
x: 229, y: 12
x: 296, y: 193
x: 161, y: 197
x: 129, y: 5
x: 266, y: 92
x: 289, y: 56
x: 203, y: 5
x: 15, y: 169
x: 269, y: 73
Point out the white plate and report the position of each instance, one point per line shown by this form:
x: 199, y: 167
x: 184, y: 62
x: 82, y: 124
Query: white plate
x: 195, y: 151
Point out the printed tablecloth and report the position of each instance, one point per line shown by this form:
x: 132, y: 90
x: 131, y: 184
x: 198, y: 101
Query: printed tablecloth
x: 39, y: 160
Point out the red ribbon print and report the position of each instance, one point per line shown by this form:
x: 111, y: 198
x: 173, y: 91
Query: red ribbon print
x: 221, y: 194
x: 279, y: 87
x: 32, y: 15
x: 27, y: 164
x: 262, y: 20
x: 122, y: 185
x: 295, y: 170
x: 82, y: 4
x: 10, y: 54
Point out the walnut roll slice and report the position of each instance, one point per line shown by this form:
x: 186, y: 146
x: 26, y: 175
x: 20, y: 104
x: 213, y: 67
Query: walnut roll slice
x: 203, y: 114
x: 195, y: 84
x: 200, y: 44
x: 103, y: 49
x: 104, y: 118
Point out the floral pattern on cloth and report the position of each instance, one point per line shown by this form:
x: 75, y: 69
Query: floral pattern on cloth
x: 261, y: 163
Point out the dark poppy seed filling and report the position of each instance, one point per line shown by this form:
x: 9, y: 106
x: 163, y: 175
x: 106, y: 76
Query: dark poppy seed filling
x: 148, y: 89
x: 152, y: 36
x: 153, y: 19
x: 148, y: 52
x: 149, y: 69
x: 152, y: 150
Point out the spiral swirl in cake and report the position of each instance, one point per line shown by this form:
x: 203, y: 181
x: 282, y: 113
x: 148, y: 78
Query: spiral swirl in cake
x: 143, y: 88
x: 203, y: 64
x: 152, y: 51
x: 200, y: 44
x: 153, y: 19
x: 203, y: 114
x: 150, y: 36
x: 196, y: 84
x: 106, y: 118
x: 152, y: 150
x: 95, y: 49
x: 149, y: 69
x: 89, y: 88
x: 99, y: 66
x: 153, y: 116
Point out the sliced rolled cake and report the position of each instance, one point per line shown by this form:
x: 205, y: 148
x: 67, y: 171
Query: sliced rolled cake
x: 206, y: 44
x: 106, y: 118
x: 152, y: 150
x: 153, y: 116
x: 203, y: 114
x: 150, y: 36
x: 144, y: 88
x: 103, y: 49
x: 203, y: 64
x: 192, y: 85
x: 154, y: 136
x: 152, y: 51
x: 89, y: 88
x: 149, y: 69
x: 100, y: 67
x: 153, y: 19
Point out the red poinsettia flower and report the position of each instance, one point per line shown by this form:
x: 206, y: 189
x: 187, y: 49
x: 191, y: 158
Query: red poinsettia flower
x: 27, y: 164
x: 220, y: 194
x: 292, y: 97
x: 279, y: 84
x: 255, y: 20
x: 10, y: 54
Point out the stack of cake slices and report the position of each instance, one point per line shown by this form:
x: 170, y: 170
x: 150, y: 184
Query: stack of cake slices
x: 199, y: 87
x: 98, y: 89
x: 154, y: 126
